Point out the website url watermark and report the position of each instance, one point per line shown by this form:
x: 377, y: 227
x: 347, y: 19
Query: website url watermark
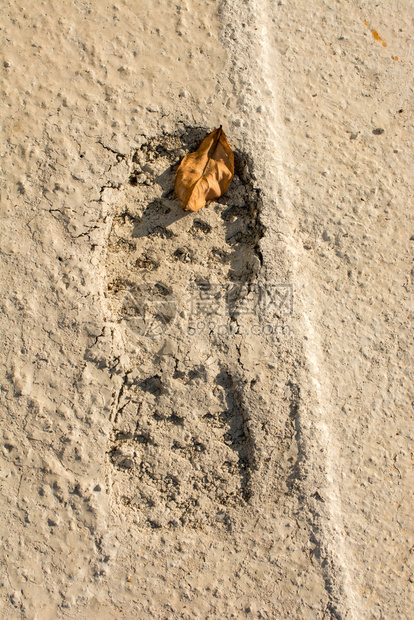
x: 151, y: 309
x: 229, y: 329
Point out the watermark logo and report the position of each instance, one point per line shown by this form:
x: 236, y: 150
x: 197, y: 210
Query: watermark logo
x: 267, y: 301
x: 151, y: 308
x: 238, y: 307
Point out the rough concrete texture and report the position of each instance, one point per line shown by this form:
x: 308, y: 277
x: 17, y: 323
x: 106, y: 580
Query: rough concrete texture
x: 206, y: 415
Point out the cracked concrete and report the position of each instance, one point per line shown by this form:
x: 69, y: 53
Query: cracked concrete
x: 206, y: 415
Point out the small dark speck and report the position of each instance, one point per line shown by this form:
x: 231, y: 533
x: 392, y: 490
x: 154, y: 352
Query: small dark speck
x: 378, y: 132
x: 400, y: 111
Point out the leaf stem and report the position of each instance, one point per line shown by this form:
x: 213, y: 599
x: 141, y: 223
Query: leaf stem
x: 212, y: 149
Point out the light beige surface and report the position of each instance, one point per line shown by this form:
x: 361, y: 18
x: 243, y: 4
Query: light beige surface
x: 173, y: 468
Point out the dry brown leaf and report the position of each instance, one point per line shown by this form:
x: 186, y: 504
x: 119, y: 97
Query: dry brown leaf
x: 206, y: 173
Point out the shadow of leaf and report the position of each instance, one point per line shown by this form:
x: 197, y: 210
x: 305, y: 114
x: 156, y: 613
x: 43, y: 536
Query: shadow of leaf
x: 156, y: 219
